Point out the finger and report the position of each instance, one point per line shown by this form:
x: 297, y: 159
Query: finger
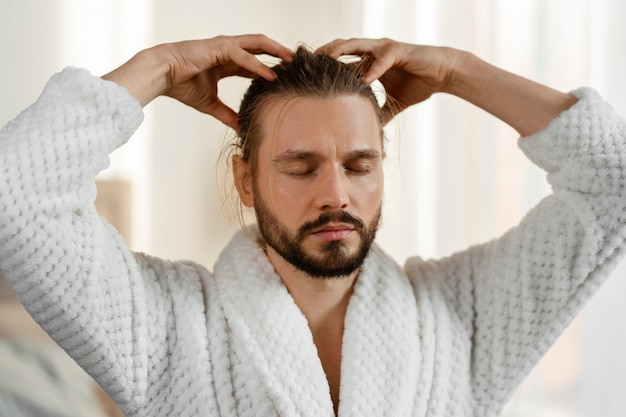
x: 328, y: 47
x: 383, y: 56
x: 261, y: 44
x: 242, y: 72
x: 354, y: 46
x: 232, y: 70
x: 223, y: 113
x: 250, y: 64
x: 378, y: 67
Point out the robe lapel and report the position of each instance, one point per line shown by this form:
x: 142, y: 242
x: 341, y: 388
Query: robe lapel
x: 276, y: 368
x: 380, y: 344
x: 275, y: 365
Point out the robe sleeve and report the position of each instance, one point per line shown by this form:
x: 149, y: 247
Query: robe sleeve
x: 513, y: 296
x: 71, y: 270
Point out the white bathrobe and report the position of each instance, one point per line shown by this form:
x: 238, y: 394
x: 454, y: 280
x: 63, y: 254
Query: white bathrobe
x: 450, y: 337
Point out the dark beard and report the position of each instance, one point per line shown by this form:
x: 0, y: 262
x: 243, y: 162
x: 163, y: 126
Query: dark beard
x: 335, y: 260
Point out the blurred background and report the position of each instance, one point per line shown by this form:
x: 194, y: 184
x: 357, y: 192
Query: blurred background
x: 455, y: 176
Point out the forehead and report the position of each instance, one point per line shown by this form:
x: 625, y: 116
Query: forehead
x: 339, y: 123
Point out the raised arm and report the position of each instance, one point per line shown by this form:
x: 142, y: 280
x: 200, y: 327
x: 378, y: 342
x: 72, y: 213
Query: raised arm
x: 412, y: 73
x: 508, y: 300
x: 112, y: 310
x: 189, y: 71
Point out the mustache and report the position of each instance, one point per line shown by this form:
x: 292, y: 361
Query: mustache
x: 339, y: 216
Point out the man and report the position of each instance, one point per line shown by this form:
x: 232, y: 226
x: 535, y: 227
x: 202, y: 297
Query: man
x: 306, y: 316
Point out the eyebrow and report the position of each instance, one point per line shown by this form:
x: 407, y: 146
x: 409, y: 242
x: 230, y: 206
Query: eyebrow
x: 292, y: 155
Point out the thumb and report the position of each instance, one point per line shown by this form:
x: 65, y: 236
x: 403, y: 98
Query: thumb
x: 223, y: 113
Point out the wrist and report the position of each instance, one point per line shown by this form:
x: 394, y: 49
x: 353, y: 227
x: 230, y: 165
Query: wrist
x: 464, y: 74
x: 523, y: 104
x: 144, y: 75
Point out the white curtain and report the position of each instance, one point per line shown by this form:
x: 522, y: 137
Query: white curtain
x: 461, y: 172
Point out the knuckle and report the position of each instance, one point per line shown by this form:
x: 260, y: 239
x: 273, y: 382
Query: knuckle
x: 222, y: 41
x: 259, y: 38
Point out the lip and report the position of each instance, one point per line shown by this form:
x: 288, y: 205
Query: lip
x: 333, y: 232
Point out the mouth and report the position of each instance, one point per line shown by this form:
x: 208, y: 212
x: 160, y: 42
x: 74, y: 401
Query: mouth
x: 331, y: 232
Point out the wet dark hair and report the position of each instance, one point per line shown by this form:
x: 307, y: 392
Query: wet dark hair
x: 309, y: 74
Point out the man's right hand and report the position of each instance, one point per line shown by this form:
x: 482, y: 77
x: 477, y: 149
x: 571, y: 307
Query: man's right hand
x: 189, y: 71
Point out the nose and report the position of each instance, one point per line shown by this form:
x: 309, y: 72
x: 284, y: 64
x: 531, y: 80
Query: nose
x: 332, y: 190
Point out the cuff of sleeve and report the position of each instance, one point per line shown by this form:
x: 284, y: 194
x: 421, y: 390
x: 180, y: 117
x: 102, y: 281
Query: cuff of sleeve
x: 78, y: 87
x: 578, y: 132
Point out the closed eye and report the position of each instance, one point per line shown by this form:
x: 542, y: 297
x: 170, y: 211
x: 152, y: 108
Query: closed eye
x: 361, y: 166
x: 301, y: 173
x: 306, y: 164
x: 297, y: 168
x: 358, y: 171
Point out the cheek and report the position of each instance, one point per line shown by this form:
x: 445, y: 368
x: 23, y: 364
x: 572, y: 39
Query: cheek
x: 284, y: 196
x: 368, y: 199
x: 370, y: 187
x: 291, y: 193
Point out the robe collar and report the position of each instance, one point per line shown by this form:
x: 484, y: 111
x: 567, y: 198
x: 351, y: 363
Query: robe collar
x: 274, y: 346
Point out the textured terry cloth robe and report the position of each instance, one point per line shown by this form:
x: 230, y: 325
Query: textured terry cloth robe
x: 449, y: 337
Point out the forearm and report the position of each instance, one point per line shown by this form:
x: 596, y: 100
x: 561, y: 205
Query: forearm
x: 144, y: 75
x: 525, y: 105
x: 71, y: 270
x: 515, y: 294
x: 189, y: 71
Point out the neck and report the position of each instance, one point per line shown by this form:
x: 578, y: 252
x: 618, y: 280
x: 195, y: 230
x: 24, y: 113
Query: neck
x: 323, y: 301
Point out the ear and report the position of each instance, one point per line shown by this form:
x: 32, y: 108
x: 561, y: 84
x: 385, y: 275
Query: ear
x: 243, y: 180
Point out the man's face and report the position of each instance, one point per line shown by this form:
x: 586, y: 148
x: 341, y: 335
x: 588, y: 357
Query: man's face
x: 319, y: 182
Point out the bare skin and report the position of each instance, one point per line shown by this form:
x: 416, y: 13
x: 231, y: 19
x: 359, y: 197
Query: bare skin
x: 324, y: 305
x: 189, y: 72
x: 341, y: 139
x: 412, y: 73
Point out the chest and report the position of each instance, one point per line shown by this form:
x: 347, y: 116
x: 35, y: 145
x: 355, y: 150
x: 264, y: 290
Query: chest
x: 329, y: 348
